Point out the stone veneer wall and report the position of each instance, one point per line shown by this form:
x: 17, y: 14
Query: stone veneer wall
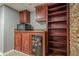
x: 74, y: 29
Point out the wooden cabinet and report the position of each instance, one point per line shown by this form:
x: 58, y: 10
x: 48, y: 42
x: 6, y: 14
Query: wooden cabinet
x: 41, y: 13
x: 17, y: 41
x: 26, y: 43
x: 24, y: 16
x: 23, y: 41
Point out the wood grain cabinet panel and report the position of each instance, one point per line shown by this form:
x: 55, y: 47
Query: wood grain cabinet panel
x: 26, y: 43
x: 24, y: 16
x: 17, y: 41
x: 41, y: 13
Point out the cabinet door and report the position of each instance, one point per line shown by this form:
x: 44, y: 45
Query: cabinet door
x: 26, y: 43
x: 41, y: 12
x: 17, y: 41
x: 24, y: 16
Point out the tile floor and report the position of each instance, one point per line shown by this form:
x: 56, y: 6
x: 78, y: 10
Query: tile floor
x: 15, y: 53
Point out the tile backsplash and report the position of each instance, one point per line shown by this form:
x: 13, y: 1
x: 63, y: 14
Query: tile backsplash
x: 35, y: 24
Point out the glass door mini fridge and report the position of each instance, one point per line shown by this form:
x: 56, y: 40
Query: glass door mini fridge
x: 37, y: 45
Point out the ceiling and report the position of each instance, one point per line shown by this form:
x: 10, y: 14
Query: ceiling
x: 22, y: 6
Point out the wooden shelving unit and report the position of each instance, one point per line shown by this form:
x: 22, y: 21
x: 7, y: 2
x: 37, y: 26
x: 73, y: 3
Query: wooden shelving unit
x: 56, y: 42
x: 56, y: 8
x: 58, y: 50
x: 56, y: 21
x: 57, y: 13
x: 57, y: 29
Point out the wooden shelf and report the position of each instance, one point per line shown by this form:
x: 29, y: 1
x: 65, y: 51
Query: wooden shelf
x: 63, y: 28
x: 52, y: 4
x: 59, y: 50
x: 57, y: 13
x: 57, y: 35
x: 55, y: 55
x: 56, y: 8
x: 56, y: 21
x: 57, y: 42
x: 58, y: 39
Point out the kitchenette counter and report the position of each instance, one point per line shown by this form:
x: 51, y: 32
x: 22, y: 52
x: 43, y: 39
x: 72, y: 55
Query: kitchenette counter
x: 21, y: 35
x: 36, y: 30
